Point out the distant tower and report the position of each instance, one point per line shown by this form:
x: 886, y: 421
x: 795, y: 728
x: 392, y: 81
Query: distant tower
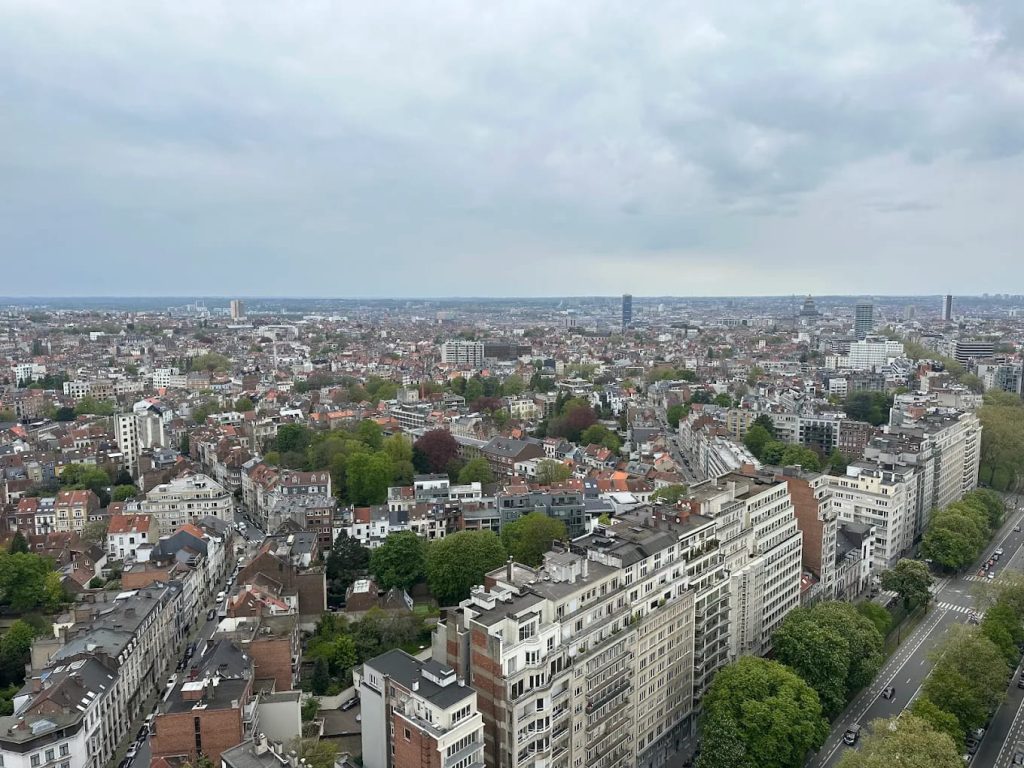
x: 863, y: 322
x: 947, y: 308
x: 627, y: 310
x: 237, y: 309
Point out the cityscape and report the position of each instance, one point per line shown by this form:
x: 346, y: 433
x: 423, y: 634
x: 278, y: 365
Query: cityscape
x: 511, y: 384
x: 560, y: 532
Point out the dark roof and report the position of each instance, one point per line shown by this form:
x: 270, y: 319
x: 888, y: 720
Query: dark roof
x: 407, y: 670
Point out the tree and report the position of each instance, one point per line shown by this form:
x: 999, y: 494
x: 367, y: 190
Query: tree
x: 765, y: 422
x: 434, y: 451
x: 23, y: 580
x: 910, y: 580
x: 670, y: 494
x: 756, y: 439
x: 550, y: 472
x: 819, y: 654
x: 939, y: 719
x: 457, y: 563
x: 321, y: 677
x: 318, y: 753
x: 64, y: 413
x: 368, y: 476
x: 90, y: 405
x: 877, y: 615
x: 399, y: 561
x: 577, y: 416
x: 95, y: 533
x: 123, y: 492
x: 905, y: 741
x: 598, y: 434
x: 370, y: 434
x: 18, y: 543
x: 84, y: 477
x: 184, y: 445
x: 798, y: 455
x: 529, y: 537
x: 969, y: 676
x: 310, y: 707
x: 477, y: 470
x: 772, y: 715
x: 244, y: 404
x: 674, y: 414
x: 15, y: 646
x: 512, y: 386
x: 723, y: 400
x: 872, y: 407
x: 293, y: 438
x: 348, y: 560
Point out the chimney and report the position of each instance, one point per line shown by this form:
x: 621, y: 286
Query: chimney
x: 261, y: 744
x: 509, y: 568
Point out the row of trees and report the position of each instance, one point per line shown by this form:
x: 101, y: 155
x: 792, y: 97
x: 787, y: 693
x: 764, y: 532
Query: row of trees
x: 1002, y: 441
x: 453, y: 565
x: 957, y: 534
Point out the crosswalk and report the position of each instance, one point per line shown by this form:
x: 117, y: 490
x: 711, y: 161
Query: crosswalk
x: 975, y: 577
x: 955, y: 608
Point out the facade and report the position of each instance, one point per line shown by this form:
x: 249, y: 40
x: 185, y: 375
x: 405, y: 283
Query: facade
x: 135, y: 432
x: 964, y: 352
x: 627, y: 310
x: 947, y: 308
x: 873, y: 353
x: 463, y: 353
x: 73, y: 509
x: 237, y: 309
x: 186, y: 499
x: 566, y: 505
x: 817, y: 521
x: 863, y: 320
x: 417, y: 714
x: 126, y: 533
x: 589, y: 660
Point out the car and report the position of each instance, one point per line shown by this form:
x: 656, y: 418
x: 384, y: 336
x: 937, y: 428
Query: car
x: 1018, y: 758
x: 148, y: 722
x: 1000, y: 552
x: 190, y: 650
x: 972, y: 746
x: 889, y: 692
x: 1016, y: 528
x: 1020, y: 682
x: 359, y: 718
x: 991, y: 574
x: 133, y: 750
x: 350, y: 703
x: 851, y: 735
x: 171, y: 681
x: 220, y: 597
x: 991, y: 562
x: 181, y: 665
x: 142, y: 734
x: 125, y: 763
x: 978, y: 734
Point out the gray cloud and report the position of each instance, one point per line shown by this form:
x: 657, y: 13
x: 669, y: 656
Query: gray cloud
x: 509, y: 148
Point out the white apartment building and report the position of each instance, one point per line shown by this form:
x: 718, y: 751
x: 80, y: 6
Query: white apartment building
x: 590, y: 659
x: 463, y: 353
x: 762, y: 545
x: 886, y: 499
x: 185, y: 499
x: 870, y: 354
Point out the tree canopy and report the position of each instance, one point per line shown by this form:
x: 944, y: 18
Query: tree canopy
x: 457, y: 563
x: 477, y: 470
x: 910, y: 580
x: 550, y: 471
x: 529, y: 537
x: 766, y: 715
x: 434, y: 451
x: 907, y: 741
x: 670, y: 494
x: 399, y: 561
x: 969, y: 677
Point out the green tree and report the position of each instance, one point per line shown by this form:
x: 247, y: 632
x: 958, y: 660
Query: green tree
x: 513, y: 386
x: 293, y: 438
x: 910, y: 580
x: 674, y: 414
x: 95, y: 533
x: 318, y: 753
x: 723, y: 400
x: 184, y: 445
x: 15, y: 646
x: 123, y: 492
x: 670, y: 494
x: 244, y: 404
x: 969, y: 676
x: 368, y: 477
x: 772, y: 716
x: 399, y: 561
x: 529, y: 537
x: 90, y: 405
x: 756, y: 439
x: 906, y: 741
x: 819, y: 654
x: 23, y: 580
x: 939, y: 719
x: 600, y: 435
x: 370, y: 434
x: 765, y: 422
x: 348, y: 560
x: 798, y: 455
x: 550, y: 472
x: 18, y: 543
x: 310, y: 707
x: 477, y: 470
x: 457, y: 563
x: 877, y: 615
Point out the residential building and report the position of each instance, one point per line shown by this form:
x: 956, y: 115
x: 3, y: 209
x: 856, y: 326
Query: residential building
x: 627, y: 310
x: 965, y: 352
x: 72, y: 510
x: 817, y: 521
x: 184, y: 499
x: 854, y: 553
x: 502, y: 453
x: 463, y: 353
x: 417, y: 714
x: 567, y: 505
x: 237, y: 309
x: 126, y: 533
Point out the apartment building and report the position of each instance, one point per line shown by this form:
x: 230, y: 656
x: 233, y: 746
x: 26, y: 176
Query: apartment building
x: 126, y: 533
x: 463, y: 353
x: 589, y: 660
x: 818, y: 522
x: 136, y: 432
x: 565, y: 504
x: 185, y: 499
x: 92, y: 679
x: 418, y: 714
x: 72, y: 510
x: 885, y: 499
x: 755, y: 523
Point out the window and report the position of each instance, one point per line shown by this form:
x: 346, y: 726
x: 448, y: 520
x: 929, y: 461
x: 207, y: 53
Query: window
x: 50, y: 755
x: 64, y: 750
x: 35, y: 760
x: 407, y: 734
x: 527, y: 631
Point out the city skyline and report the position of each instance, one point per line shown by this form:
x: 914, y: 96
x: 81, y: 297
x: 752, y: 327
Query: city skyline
x: 515, y: 151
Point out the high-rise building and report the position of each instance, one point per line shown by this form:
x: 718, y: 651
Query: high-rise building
x: 863, y: 319
x: 237, y: 309
x: 460, y: 352
x: 947, y: 307
x: 627, y: 310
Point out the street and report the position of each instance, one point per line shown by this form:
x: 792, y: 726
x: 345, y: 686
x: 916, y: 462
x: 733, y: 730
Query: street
x: 906, y: 670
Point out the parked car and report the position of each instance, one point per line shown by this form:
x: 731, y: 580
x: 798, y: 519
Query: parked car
x: 1016, y: 528
x: 133, y: 750
x: 350, y: 703
x: 999, y: 552
x: 972, y: 746
x: 1018, y: 756
x: 220, y: 597
x: 190, y: 650
x: 1020, y: 682
x: 991, y: 574
x: 978, y: 734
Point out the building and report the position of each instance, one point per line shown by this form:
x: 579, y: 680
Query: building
x: 1005, y: 377
x: 463, y: 353
x: 210, y: 709
x: 947, y: 308
x: 502, y: 453
x: 418, y: 714
x: 854, y: 548
x: 136, y: 432
x: 237, y: 309
x: 873, y: 353
x: 566, y: 505
x: 863, y: 320
x: 884, y: 499
x: 590, y: 660
x: 126, y: 533
x: 965, y: 352
x: 817, y: 521
x: 185, y: 499
x: 73, y: 509
x: 627, y: 310
x: 756, y: 527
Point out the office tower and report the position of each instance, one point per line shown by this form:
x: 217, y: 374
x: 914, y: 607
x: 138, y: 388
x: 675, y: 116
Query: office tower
x: 237, y: 309
x: 947, y: 307
x: 909, y: 312
x: 627, y: 310
x: 863, y: 320
x: 459, y: 352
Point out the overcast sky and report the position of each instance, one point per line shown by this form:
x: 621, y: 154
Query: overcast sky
x: 511, y: 148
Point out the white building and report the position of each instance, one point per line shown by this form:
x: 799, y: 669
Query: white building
x: 185, y: 499
x: 463, y: 353
x: 135, y: 432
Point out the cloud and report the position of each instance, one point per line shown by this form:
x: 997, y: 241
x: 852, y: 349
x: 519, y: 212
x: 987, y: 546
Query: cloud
x: 509, y: 148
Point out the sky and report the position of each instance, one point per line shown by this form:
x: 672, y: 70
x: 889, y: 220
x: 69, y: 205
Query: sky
x: 373, y: 149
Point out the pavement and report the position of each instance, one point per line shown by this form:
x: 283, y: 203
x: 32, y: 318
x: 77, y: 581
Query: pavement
x: 952, y: 600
